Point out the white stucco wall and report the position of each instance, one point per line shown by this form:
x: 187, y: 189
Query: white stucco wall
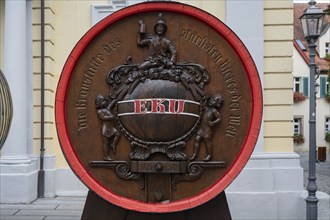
x: 321, y: 43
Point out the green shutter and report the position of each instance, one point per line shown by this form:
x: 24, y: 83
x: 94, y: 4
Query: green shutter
x: 323, y: 87
x: 305, y: 86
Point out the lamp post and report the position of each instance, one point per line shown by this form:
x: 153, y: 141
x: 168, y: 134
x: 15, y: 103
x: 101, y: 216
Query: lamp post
x: 312, y: 20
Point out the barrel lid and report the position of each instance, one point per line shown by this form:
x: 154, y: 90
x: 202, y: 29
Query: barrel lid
x: 158, y: 119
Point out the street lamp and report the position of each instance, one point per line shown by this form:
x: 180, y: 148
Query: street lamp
x: 312, y: 20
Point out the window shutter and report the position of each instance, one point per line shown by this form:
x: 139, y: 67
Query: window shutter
x: 305, y: 86
x: 323, y: 87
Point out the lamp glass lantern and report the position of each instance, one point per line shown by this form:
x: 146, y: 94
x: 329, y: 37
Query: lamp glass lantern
x: 312, y: 21
x: 317, y: 87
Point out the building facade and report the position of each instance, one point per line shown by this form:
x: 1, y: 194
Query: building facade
x: 301, y: 85
x: 272, y: 179
x: 301, y: 103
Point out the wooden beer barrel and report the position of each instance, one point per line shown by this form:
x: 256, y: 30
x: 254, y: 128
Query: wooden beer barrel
x: 6, y: 109
x: 158, y: 107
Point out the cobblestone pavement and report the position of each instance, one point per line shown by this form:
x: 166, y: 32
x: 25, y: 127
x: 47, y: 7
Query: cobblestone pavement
x: 58, y: 208
x: 70, y: 208
x: 322, y: 172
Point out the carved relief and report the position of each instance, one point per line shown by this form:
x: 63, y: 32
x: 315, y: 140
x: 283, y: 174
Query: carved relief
x: 162, y: 51
x: 210, y: 118
x: 136, y: 93
x: 105, y: 112
x: 161, y: 111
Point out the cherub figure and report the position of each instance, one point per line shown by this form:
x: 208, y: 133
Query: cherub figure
x: 162, y: 51
x: 209, y: 119
x: 109, y: 131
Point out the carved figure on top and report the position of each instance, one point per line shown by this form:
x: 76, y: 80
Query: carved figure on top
x: 162, y: 51
x: 109, y: 132
x: 209, y: 119
x: 161, y: 64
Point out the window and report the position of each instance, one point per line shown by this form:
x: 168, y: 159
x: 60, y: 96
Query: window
x: 300, y: 84
x: 327, y: 125
x: 300, y: 44
x: 327, y: 48
x: 298, y: 136
x: 297, y: 125
x: 296, y: 84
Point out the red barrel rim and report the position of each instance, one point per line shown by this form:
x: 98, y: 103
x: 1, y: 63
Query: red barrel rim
x: 255, y: 122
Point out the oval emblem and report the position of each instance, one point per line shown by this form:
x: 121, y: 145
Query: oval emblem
x: 150, y: 108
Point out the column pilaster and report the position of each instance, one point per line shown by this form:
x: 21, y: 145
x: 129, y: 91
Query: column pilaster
x: 18, y: 173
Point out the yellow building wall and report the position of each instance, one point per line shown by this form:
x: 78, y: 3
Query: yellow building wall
x: 215, y: 7
x: 50, y: 84
x: 65, y: 23
x: 278, y: 95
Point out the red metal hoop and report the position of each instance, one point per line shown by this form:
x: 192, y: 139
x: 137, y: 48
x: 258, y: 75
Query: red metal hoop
x: 251, y: 138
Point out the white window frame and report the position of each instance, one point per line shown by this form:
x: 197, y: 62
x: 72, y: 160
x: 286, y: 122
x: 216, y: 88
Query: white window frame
x: 327, y: 124
x: 297, y: 125
x: 327, y: 47
x: 297, y: 81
